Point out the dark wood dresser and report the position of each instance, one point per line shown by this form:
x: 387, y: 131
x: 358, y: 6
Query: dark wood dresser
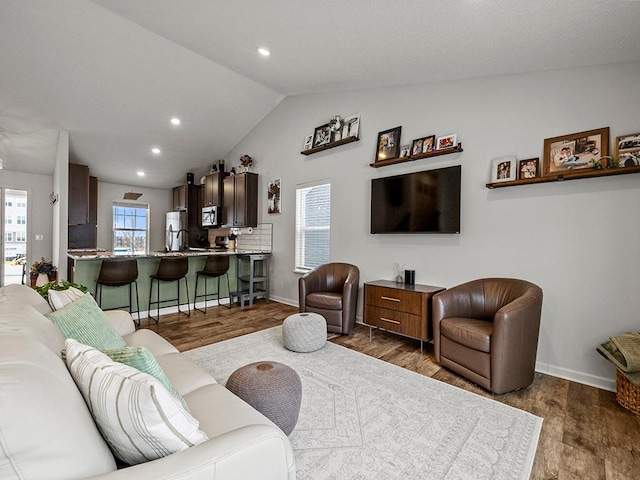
x: 399, y: 308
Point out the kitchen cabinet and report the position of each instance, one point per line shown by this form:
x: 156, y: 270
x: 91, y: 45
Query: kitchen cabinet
x: 86, y: 235
x: 180, y: 197
x: 240, y: 200
x: 78, y: 194
x: 213, y: 184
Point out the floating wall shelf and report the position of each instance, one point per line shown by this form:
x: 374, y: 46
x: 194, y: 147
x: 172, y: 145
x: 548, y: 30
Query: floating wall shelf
x: 566, y: 176
x: 434, y: 153
x: 327, y: 146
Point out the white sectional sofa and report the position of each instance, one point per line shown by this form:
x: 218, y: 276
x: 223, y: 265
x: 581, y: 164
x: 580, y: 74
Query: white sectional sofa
x: 47, y: 431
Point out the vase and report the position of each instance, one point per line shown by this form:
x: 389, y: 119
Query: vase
x: 42, y: 279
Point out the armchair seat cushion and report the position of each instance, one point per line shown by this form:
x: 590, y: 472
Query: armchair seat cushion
x: 469, y: 332
x: 325, y: 300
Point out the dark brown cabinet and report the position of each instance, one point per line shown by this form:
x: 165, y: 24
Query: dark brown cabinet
x: 78, y: 194
x: 212, y: 194
x: 180, y: 197
x: 86, y: 235
x: 240, y: 200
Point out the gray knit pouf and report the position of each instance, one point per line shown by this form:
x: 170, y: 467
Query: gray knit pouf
x: 304, y: 332
x: 272, y: 388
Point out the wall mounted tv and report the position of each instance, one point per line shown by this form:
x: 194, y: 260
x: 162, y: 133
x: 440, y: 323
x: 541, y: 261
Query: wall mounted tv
x: 420, y: 202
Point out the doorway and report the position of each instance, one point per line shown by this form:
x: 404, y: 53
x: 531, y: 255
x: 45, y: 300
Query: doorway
x: 14, y: 237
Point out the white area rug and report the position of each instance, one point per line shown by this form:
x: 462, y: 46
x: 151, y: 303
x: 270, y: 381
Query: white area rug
x: 362, y: 418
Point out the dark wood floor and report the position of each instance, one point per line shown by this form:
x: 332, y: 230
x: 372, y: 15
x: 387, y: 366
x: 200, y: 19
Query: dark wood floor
x: 585, y: 433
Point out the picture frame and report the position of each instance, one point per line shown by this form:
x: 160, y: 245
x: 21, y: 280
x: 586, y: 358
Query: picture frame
x: 322, y: 135
x: 416, y: 146
x: 567, y: 154
x: 308, y: 142
x: 274, y: 195
x: 388, y: 145
x: 528, y: 168
x: 447, y: 141
x: 405, y: 150
x: 423, y: 145
x: 351, y: 127
x: 503, y: 169
x: 628, y: 150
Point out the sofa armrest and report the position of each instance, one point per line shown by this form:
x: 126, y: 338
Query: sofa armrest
x: 253, y: 452
x: 121, y: 321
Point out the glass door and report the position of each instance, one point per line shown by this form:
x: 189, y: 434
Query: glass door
x: 14, y: 237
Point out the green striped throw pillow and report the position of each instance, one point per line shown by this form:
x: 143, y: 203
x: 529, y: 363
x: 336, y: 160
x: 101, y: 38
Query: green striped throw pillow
x: 138, y: 417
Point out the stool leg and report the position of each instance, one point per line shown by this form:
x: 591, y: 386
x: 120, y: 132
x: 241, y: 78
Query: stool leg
x: 186, y: 286
x: 137, y: 301
x: 228, y: 290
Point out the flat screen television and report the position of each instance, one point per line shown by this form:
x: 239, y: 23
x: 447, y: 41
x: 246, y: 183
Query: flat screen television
x: 420, y: 202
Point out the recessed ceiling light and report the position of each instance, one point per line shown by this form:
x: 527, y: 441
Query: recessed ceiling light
x: 155, y: 150
x: 141, y: 174
x: 175, y: 121
x: 264, y: 52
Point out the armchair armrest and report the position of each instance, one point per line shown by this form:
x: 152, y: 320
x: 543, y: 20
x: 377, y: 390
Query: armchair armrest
x: 253, y: 452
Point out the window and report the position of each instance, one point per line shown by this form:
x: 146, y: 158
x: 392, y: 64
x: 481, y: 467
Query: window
x: 21, y: 220
x: 21, y: 237
x: 21, y: 204
x: 8, y: 237
x: 9, y: 220
x: 313, y: 225
x: 130, y: 228
x: 8, y: 203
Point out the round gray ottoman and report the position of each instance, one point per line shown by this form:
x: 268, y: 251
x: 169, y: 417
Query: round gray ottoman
x: 304, y: 332
x: 272, y: 388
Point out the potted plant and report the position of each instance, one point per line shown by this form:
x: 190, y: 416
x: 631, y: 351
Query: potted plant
x: 42, y: 272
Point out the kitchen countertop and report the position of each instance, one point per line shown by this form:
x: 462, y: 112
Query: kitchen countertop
x: 192, y: 252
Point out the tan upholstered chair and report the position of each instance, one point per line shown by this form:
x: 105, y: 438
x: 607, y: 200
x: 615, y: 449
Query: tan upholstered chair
x: 487, y: 331
x: 332, y: 291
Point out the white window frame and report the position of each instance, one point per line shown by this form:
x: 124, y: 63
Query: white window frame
x: 302, y: 190
x: 21, y: 237
x: 8, y: 237
x: 137, y: 205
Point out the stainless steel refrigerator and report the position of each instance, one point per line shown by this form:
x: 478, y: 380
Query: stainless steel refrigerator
x: 176, y: 234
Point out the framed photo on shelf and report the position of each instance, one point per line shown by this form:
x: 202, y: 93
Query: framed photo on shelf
x: 529, y: 168
x: 388, y: 144
x: 405, y: 150
x: 351, y: 127
x: 416, y: 146
x: 448, y: 141
x: 503, y: 169
x: 322, y: 135
x: 576, y: 151
x: 429, y: 143
x: 308, y: 142
x: 628, y: 150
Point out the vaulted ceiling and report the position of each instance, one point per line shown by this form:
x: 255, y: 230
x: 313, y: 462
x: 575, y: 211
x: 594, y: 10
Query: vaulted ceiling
x: 113, y: 72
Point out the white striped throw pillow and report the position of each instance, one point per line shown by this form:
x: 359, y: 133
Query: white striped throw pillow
x: 138, y: 417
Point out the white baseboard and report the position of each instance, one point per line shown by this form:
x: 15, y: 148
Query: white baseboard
x: 603, y: 383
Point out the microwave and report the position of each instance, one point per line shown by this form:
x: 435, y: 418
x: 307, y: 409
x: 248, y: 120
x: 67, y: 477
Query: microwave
x: 210, y: 216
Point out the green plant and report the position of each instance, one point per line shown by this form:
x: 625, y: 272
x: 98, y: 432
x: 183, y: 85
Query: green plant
x: 42, y: 266
x: 61, y: 285
x: 611, y: 162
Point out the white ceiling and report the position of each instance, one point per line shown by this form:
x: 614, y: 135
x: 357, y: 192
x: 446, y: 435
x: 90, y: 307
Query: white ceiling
x: 113, y: 72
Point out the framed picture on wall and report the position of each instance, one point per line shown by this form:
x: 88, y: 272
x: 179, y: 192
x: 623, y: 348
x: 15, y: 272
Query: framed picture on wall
x: 351, y: 127
x: 308, y: 142
x: 322, y: 135
x: 448, y: 141
x: 405, y: 150
x: 503, y: 169
x: 576, y: 151
x: 628, y: 150
x: 388, y: 144
x: 529, y: 168
x: 273, y: 197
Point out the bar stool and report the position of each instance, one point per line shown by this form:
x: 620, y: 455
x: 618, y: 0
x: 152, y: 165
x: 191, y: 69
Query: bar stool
x: 215, y: 267
x: 117, y: 272
x: 170, y: 269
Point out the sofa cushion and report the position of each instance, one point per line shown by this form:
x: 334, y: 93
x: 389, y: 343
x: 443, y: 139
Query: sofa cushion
x: 139, y: 418
x: 18, y: 318
x: 83, y: 321
x: 141, y: 359
x: 46, y: 430
x: 59, y: 298
x: 26, y: 295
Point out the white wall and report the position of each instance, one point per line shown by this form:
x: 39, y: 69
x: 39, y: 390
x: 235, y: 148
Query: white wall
x: 60, y: 209
x: 159, y: 201
x: 579, y: 240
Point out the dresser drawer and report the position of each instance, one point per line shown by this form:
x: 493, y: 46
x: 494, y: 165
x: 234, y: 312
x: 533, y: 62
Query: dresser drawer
x: 394, y: 299
x: 394, y: 321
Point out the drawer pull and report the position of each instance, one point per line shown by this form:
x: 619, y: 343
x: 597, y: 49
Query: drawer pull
x: 390, y: 298
x: 389, y: 320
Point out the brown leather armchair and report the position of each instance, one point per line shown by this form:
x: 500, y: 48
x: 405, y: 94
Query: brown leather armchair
x: 487, y: 331
x: 331, y: 290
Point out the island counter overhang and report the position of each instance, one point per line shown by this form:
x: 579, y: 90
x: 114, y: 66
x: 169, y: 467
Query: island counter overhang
x: 84, y: 267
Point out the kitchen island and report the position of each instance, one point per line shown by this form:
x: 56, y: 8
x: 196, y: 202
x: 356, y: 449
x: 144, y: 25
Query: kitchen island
x: 84, y: 267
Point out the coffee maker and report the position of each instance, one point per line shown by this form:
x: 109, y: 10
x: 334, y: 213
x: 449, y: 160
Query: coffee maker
x: 222, y: 243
